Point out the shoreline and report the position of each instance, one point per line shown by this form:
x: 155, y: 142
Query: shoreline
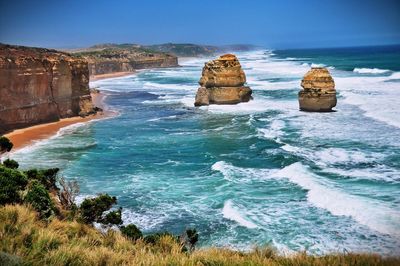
x: 26, y: 136
x: 110, y: 75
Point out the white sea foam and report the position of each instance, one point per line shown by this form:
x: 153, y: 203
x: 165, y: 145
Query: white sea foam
x: 370, y: 70
x: 339, y: 155
x: 331, y: 156
x: 44, y: 142
x: 370, y: 94
x: 395, y: 75
x: 317, y: 65
x: 144, y: 221
x: 230, y: 212
x: 324, y: 195
x: 238, y: 174
x: 162, y: 118
x: 290, y: 148
x: 274, y: 130
x: 254, y: 106
x: 380, y: 173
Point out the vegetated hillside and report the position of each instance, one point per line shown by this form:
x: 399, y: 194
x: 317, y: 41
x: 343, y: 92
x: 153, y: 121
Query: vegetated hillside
x: 185, y: 49
x: 110, y: 58
x: 26, y: 239
x: 196, y: 50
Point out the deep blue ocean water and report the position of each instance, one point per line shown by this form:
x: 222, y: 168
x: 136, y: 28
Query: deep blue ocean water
x: 257, y: 173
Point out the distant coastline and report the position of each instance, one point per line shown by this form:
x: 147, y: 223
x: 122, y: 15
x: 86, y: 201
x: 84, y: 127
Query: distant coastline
x: 111, y: 75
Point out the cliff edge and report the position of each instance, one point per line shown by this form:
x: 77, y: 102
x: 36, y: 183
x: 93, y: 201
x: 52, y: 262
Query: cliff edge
x: 40, y: 85
x: 111, y: 58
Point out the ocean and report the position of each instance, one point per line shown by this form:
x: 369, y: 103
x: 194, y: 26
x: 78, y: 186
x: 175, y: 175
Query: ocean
x: 257, y: 173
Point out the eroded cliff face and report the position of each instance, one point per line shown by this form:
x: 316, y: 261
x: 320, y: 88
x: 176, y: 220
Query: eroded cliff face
x: 120, y: 58
x: 41, y: 85
x: 222, y: 82
x: 98, y: 67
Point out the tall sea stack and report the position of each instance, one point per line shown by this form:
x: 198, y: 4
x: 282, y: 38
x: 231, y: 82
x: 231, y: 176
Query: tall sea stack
x: 222, y: 82
x: 318, y: 94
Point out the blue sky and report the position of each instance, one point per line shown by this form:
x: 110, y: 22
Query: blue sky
x: 273, y: 24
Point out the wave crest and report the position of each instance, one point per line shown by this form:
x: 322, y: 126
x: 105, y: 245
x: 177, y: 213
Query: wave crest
x: 230, y: 212
x: 370, y: 70
x: 323, y: 195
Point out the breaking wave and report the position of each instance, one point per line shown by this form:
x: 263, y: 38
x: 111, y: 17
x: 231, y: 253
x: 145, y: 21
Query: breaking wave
x: 370, y: 70
x: 230, y: 212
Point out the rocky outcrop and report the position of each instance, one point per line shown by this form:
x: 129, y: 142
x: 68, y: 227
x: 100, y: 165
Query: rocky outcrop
x: 41, y: 85
x: 111, y: 58
x: 222, y: 82
x: 318, y: 94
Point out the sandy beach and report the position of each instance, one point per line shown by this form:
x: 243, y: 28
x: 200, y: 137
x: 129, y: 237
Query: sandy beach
x: 25, y: 136
x: 110, y: 75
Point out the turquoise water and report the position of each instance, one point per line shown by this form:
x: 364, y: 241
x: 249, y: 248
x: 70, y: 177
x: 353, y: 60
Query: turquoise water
x: 255, y: 173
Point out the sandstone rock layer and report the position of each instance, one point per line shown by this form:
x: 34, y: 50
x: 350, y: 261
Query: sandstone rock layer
x: 41, y: 85
x: 318, y: 94
x: 111, y: 58
x: 222, y: 82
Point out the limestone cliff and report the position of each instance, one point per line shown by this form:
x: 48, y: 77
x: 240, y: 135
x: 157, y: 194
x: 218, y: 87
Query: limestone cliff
x: 104, y: 59
x: 40, y: 85
x: 318, y: 94
x: 222, y: 82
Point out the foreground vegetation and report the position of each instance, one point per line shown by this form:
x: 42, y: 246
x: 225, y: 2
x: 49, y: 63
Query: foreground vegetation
x: 37, y: 242
x: 40, y: 224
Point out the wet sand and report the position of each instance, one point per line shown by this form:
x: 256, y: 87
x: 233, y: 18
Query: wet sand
x: 26, y: 136
x: 110, y: 75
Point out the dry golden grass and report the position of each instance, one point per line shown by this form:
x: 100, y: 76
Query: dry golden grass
x: 70, y: 243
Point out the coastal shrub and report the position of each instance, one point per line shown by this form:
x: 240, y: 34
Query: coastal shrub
x: 9, y: 260
x: 62, y: 242
x: 46, y: 177
x: 5, y: 145
x: 9, y: 163
x: 11, y: 183
x: 131, y: 231
x: 38, y: 196
x: 113, y: 217
x: 191, y: 238
x: 92, y: 209
x: 155, y: 238
x: 67, y: 193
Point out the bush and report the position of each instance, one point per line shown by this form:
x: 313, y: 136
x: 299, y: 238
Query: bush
x: 92, y: 210
x: 131, y: 231
x: 155, y: 238
x: 47, y: 177
x: 5, y: 145
x: 9, y: 259
x: 11, y: 164
x: 68, y: 192
x: 113, y: 217
x: 40, y: 199
x: 11, y: 182
x: 190, y: 239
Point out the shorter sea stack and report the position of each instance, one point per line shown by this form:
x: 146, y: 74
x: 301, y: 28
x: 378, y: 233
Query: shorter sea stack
x: 222, y: 82
x: 318, y: 94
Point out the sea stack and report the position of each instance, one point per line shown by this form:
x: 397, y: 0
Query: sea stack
x: 318, y: 94
x: 222, y: 82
